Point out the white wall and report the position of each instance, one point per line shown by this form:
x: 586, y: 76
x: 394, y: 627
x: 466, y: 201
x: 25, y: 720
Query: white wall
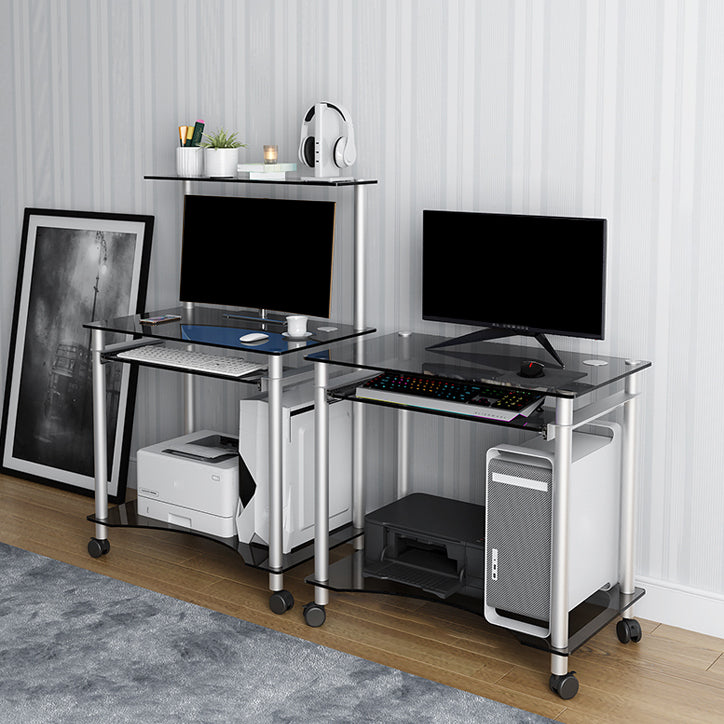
x: 605, y: 108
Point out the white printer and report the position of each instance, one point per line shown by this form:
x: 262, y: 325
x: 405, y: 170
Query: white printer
x: 192, y: 481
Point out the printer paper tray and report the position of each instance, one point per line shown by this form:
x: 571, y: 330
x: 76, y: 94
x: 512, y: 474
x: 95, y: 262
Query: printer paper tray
x: 438, y: 584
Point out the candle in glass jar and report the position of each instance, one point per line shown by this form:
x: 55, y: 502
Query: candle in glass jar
x: 270, y: 154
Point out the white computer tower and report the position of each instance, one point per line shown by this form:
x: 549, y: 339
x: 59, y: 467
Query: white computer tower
x: 191, y: 481
x: 297, y: 466
x: 518, y: 515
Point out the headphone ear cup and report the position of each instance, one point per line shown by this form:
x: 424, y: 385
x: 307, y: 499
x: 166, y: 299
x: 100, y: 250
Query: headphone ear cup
x: 307, y: 153
x: 339, y: 146
x: 350, y: 151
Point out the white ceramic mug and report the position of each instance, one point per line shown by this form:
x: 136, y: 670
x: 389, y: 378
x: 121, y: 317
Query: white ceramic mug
x: 190, y: 161
x: 296, y: 325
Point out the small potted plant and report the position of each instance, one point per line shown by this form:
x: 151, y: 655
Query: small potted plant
x: 222, y: 153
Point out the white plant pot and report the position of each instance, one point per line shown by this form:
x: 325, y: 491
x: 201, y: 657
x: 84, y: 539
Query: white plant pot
x: 222, y: 162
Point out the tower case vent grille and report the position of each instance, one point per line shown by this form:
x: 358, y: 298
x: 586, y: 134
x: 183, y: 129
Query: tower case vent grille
x: 519, y: 546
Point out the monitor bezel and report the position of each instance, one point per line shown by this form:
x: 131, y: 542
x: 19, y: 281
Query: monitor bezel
x: 229, y: 303
x: 523, y: 329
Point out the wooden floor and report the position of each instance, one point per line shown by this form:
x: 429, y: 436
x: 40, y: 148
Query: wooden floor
x: 672, y: 675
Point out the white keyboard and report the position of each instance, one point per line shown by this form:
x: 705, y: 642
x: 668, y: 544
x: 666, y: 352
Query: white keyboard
x: 156, y: 354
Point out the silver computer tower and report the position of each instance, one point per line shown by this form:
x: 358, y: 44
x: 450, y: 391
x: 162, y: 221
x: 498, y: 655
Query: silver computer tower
x: 297, y: 466
x: 518, y: 520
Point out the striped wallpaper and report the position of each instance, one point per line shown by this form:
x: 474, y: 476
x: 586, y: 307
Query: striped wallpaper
x: 602, y: 108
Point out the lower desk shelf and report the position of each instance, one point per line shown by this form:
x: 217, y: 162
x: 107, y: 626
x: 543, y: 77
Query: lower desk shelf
x: 256, y: 555
x: 584, y: 621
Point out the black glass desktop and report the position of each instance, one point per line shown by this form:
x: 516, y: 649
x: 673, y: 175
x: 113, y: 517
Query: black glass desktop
x: 514, y: 274
x: 217, y: 330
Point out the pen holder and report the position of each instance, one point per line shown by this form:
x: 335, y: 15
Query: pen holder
x: 190, y: 161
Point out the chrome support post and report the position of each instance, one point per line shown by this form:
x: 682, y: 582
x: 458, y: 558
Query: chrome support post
x: 358, y: 491
x: 358, y: 411
x: 100, y: 439
x: 189, y: 407
x: 403, y: 453
x: 559, y: 534
x: 628, y: 490
x: 276, y: 511
x: 321, y: 483
x: 189, y: 382
x: 359, y: 257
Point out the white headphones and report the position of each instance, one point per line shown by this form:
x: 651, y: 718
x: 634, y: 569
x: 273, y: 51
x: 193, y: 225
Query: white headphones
x: 344, y: 150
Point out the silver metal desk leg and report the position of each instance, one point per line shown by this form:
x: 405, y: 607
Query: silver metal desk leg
x: 189, y: 382
x: 358, y: 460
x: 358, y: 491
x: 559, y: 534
x: 276, y: 521
x: 628, y: 488
x: 314, y: 613
x: 403, y: 453
x: 359, y: 257
x: 189, y: 411
x: 358, y: 411
x: 100, y: 439
x: 321, y: 483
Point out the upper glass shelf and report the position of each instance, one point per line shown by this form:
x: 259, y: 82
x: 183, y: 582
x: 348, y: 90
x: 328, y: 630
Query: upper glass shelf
x: 216, y: 327
x: 294, y: 180
x: 495, y: 362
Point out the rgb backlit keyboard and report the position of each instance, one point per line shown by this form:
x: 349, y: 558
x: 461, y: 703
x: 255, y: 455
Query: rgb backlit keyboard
x: 493, y: 402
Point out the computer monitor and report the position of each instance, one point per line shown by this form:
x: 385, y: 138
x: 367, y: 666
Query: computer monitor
x: 269, y: 254
x: 514, y: 274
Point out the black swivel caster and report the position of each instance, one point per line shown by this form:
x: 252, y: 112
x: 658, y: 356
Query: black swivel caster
x: 565, y: 685
x: 628, y: 629
x: 314, y: 614
x: 281, y: 601
x: 98, y: 548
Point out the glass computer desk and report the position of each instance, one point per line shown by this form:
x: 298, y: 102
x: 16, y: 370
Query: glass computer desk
x: 588, y: 388
x: 212, y: 330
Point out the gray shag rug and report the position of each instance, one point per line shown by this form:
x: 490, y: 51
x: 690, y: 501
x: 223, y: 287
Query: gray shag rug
x: 76, y: 646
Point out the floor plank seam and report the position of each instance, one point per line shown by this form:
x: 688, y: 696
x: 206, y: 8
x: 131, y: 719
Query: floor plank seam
x: 714, y: 663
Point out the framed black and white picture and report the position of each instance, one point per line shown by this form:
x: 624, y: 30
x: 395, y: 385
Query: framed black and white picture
x: 74, y: 267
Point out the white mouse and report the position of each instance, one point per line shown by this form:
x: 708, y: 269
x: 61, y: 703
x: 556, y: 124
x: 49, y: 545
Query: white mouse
x: 254, y: 337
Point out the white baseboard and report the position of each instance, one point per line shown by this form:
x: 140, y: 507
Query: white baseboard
x: 681, y: 606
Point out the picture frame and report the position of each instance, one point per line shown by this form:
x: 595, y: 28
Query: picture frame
x: 74, y: 267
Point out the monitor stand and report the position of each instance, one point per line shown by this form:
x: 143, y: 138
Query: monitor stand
x: 498, y: 333
x: 261, y: 318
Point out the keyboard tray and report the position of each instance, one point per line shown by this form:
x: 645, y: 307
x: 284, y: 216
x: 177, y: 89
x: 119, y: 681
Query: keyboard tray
x: 254, y: 373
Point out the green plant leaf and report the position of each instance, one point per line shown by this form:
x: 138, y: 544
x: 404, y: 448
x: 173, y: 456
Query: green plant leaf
x: 221, y: 139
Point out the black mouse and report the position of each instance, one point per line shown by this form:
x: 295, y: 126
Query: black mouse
x: 531, y: 369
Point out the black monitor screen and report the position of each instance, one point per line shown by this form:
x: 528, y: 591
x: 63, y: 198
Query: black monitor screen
x: 531, y: 273
x: 273, y: 254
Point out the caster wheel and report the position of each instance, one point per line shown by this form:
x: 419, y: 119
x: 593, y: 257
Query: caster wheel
x: 314, y: 614
x: 565, y: 685
x: 281, y: 601
x: 98, y: 548
x: 628, y: 629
